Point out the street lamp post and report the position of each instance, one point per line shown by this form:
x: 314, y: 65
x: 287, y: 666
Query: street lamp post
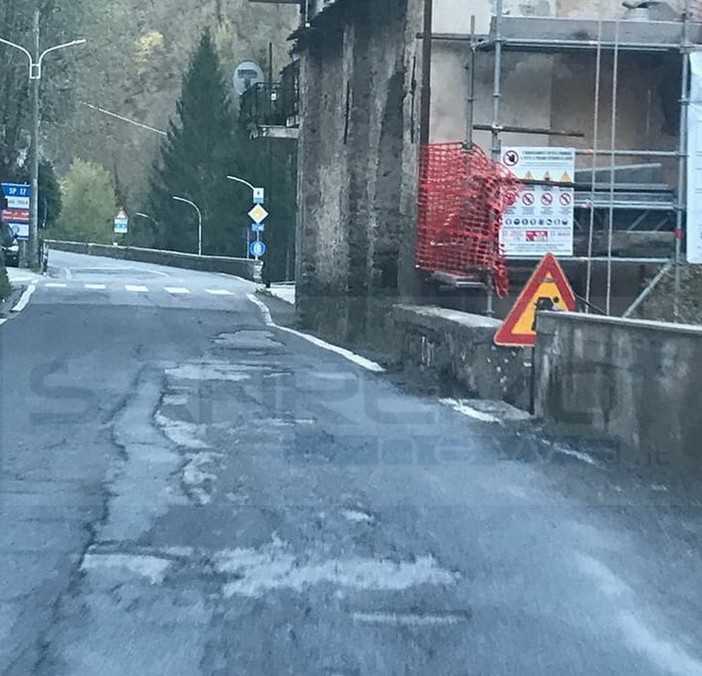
x: 36, y: 61
x: 255, y: 193
x: 143, y: 215
x: 199, y: 221
x: 241, y: 180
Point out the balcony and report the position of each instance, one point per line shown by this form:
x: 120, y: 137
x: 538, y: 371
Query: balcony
x: 271, y: 109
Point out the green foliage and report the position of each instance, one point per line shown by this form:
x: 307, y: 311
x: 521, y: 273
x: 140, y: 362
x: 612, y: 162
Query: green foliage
x: 89, y: 204
x: 133, y: 64
x: 59, y: 22
x: 202, y: 147
x: 49, y: 193
x: 5, y: 288
x: 50, y: 203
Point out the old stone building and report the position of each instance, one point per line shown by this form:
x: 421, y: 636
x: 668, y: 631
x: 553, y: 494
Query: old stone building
x: 361, y: 74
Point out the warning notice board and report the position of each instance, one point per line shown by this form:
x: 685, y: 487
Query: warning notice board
x: 541, y: 219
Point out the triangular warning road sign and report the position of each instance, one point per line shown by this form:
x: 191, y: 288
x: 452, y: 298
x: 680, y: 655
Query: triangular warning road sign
x: 547, y: 176
x: 528, y: 176
x: 547, y: 289
x: 565, y: 178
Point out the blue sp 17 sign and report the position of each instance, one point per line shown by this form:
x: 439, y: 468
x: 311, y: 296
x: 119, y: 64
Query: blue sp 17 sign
x: 16, y: 190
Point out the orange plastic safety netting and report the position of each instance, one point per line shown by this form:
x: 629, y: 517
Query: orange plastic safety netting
x: 463, y: 195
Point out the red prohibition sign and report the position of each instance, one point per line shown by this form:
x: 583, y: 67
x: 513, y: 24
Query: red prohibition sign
x: 528, y: 199
x: 565, y: 199
x: 547, y: 199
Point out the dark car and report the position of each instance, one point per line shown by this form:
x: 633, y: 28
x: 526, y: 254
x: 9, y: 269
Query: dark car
x: 10, y: 245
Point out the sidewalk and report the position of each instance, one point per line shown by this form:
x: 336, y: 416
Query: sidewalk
x: 285, y: 291
x: 20, y: 276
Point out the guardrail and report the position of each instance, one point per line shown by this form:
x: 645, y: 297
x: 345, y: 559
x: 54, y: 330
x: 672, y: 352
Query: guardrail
x: 247, y: 268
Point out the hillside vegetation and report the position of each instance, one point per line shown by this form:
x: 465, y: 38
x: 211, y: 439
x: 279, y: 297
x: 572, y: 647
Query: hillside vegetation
x: 134, y: 63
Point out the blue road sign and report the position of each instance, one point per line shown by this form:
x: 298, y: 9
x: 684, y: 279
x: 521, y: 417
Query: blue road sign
x: 257, y: 248
x: 16, y: 190
x: 258, y: 227
x: 258, y: 195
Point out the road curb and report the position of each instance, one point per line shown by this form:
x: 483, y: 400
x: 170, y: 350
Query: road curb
x: 8, y: 303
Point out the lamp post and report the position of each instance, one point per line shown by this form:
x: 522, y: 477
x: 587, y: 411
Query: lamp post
x: 143, y: 215
x: 199, y: 221
x: 257, y: 197
x: 241, y: 180
x: 36, y: 61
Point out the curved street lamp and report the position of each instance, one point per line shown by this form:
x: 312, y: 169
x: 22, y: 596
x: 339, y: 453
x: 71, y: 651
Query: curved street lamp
x: 199, y: 221
x: 254, y: 192
x: 35, y: 72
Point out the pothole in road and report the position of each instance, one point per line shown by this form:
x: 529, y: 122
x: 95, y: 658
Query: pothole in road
x: 213, y: 370
x: 247, y: 340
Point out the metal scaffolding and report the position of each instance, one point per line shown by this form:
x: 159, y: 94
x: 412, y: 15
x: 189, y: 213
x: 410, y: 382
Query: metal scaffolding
x: 649, y: 203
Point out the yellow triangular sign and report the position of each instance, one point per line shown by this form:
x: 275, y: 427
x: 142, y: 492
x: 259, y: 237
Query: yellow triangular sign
x: 547, y: 176
x: 529, y: 176
x: 547, y: 289
x: 566, y: 177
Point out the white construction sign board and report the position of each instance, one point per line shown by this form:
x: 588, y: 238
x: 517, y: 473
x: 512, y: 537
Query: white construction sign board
x: 541, y: 220
x: 694, y: 162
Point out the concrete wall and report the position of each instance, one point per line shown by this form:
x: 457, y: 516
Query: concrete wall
x: 456, y: 351
x: 552, y: 91
x: 453, y: 16
x: 240, y: 267
x: 636, y: 380
x: 358, y: 163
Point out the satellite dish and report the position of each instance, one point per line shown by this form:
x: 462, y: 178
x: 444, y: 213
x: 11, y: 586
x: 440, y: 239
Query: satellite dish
x: 247, y: 74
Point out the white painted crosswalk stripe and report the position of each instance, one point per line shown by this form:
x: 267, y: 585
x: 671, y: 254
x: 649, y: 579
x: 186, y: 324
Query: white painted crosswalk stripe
x: 137, y: 288
x: 219, y: 292
x: 175, y: 290
x: 96, y: 287
x: 55, y: 285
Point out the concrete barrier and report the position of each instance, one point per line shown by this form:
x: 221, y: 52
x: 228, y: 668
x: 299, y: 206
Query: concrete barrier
x: 456, y: 350
x: 640, y: 381
x: 239, y: 267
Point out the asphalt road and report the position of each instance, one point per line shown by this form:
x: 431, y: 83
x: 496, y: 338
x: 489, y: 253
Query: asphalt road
x: 188, y: 489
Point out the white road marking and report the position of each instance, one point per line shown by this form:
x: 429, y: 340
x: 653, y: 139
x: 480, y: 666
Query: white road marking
x: 462, y: 407
x: 219, y: 292
x: 583, y: 457
x: 56, y: 285
x: 410, y: 619
x: 663, y: 651
x: 96, y: 287
x: 24, y: 299
x: 175, y: 290
x: 318, y: 342
x: 137, y: 288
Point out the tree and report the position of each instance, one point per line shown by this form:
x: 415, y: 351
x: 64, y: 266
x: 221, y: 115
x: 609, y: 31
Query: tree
x: 59, y: 22
x: 203, y: 145
x: 49, y: 193
x: 89, y: 204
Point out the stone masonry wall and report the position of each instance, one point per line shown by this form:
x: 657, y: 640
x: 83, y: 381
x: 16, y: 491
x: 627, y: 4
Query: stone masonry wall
x: 358, y: 162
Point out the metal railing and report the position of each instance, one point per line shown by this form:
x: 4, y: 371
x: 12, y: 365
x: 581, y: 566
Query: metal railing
x: 273, y: 104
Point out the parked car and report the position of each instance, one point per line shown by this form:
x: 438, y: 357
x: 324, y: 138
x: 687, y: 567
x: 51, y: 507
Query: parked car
x: 10, y: 246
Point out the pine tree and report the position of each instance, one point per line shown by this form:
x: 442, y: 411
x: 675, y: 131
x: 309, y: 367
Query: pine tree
x: 203, y: 146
